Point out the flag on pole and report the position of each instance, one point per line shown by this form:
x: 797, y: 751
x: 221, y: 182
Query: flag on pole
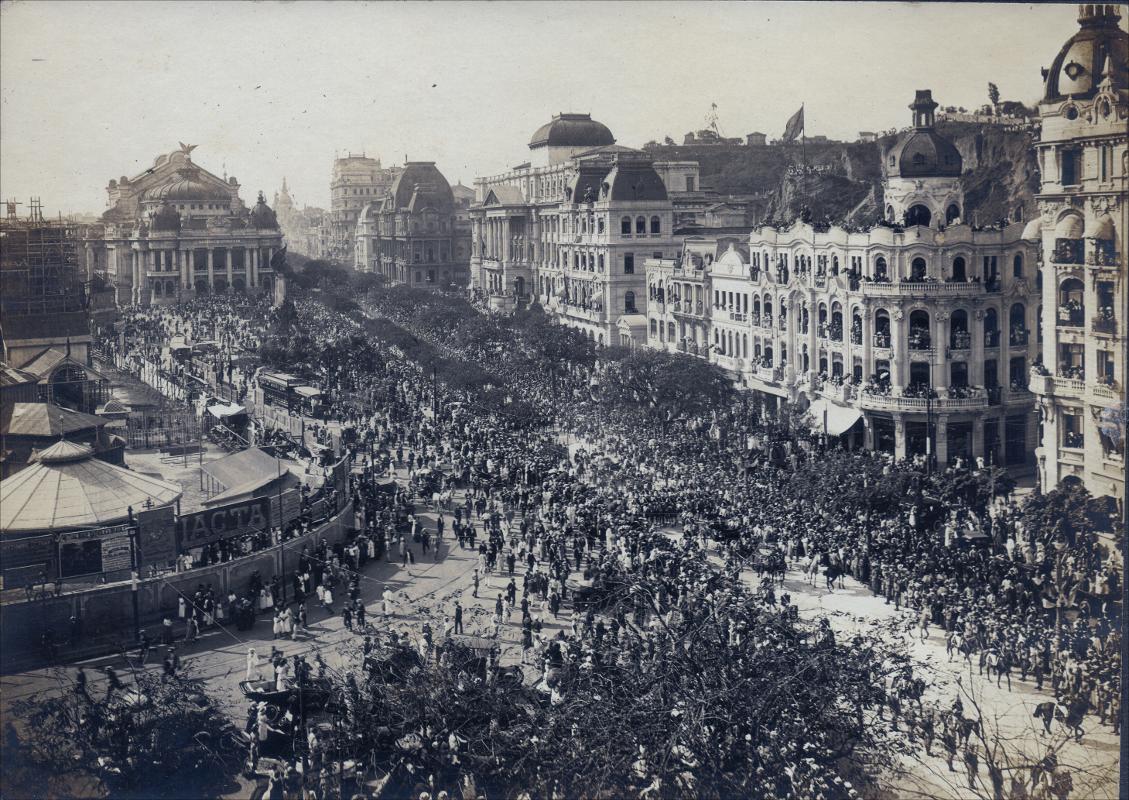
x: 795, y: 126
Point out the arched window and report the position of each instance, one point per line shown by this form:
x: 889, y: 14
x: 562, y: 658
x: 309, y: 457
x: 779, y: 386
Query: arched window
x: 656, y: 225
x: 856, y: 327
x: 158, y: 288
x: 918, y: 215
x: 599, y: 225
x: 918, y: 270
x: 959, y: 337
x: 919, y: 338
x: 1017, y: 266
x: 1017, y: 324
x: 625, y: 226
x: 836, y: 327
x: 991, y: 328
x: 881, y: 272
x: 952, y: 213
x: 1071, y: 303
x: 640, y: 225
x: 960, y: 271
x: 670, y: 331
x: 629, y: 302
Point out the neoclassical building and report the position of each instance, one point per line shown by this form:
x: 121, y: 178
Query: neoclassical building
x: 908, y: 338
x: 177, y: 230
x: 572, y: 227
x: 1084, y: 165
x: 356, y: 182
x: 414, y: 236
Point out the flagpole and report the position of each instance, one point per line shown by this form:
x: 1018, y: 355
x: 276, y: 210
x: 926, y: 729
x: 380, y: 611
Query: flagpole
x: 803, y: 136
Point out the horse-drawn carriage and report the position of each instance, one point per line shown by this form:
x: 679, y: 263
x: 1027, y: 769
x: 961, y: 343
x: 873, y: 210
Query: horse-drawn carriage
x: 478, y: 656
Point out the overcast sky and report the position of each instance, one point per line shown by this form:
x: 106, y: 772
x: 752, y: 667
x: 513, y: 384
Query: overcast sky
x: 92, y: 91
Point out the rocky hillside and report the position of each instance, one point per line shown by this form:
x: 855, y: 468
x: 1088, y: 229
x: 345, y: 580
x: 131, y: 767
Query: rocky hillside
x: 1000, y: 176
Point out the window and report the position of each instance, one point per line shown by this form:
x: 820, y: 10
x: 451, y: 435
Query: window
x: 625, y: 226
x: 1070, y: 172
x: 1017, y: 266
x: 600, y: 225
x: 628, y: 263
x: 960, y: 272
x: 654, y: 328
x: 1072, y: 435
x: 656, y: 255
x: 629, y: 302
x: 918, y: 270
x: 640, y: 225
x: 689, y: 183
x: 656, y: 225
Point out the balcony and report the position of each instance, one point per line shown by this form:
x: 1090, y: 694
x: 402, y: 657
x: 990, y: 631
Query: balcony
x: 1106, y: 391
x: 882, y: 340
x: 925, y: 289
x: 1071, y: 317
x: 766, y: 321
x: 1103, y: 255
x: 921, y: 405
x: 738, y: 316
x: 1107, y: 325
x: 841, y: 393
x: 1051, y: 385
x: 960, y: 340
x: 767, y: 374
x: 1019, y: 338
x: 688, y: 308
x: 991, y: 338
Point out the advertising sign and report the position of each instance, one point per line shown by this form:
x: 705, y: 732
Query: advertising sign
x: 116, y: 554
x: 156, y: 535
x: 94, y: 533
x: 237, y: 519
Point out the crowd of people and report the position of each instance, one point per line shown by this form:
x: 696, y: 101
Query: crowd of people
x: 596, y: 522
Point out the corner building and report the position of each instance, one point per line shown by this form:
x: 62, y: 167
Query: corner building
x: 572, y: 227
x: 909, y: 338
x: 1084, y: 165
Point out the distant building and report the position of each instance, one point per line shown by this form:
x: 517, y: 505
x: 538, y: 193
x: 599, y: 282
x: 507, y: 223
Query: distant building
x: 1084, y: 167
x: 707, y: 137
x: 756, y: 139
x: 414, y: 235
x: 303, y: 229
x: 177, y: 230
x: 868, y: 136
x: 356, y: 182
x: 572, y: 226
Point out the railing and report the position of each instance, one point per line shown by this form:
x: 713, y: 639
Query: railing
x: 1071, y: 318
x: 1019, y: 338
x: 927, y: 288
x: 1069, y: 386
x: 842, y: 393
x: 991, y: 338
x: 765, y: 373
x: 1103, y: 325
x: 960, y: 340
x: 921, y: 404
x: 755, y: 319
x: 738, y: 316
x: 1106, y: 391
x: 882, y: 340
x: 766, y: 321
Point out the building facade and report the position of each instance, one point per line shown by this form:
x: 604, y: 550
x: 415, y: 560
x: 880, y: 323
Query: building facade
x: 304, y: 230
x: 177, y: 230
x: 572, y: 227
x: 356, y: 182
x: 910, y: 340
x: 414, y: 235
x: 1084, y: 166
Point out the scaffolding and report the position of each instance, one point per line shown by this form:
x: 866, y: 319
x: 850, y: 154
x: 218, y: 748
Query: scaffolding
x: 40, y: 270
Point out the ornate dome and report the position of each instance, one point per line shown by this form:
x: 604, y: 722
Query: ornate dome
x: 924, y: 153
x: 1100, y: 46
x: 187, y: 187
x: 167, y: 218
x: 634, y: 181
x: 262, y: 216
x: 572, y: 130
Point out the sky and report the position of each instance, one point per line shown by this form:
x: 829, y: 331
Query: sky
x: 93, y: 91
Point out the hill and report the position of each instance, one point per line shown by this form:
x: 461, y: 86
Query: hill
x: 844, y: 182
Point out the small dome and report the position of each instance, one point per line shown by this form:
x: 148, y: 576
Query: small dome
x: 572, y: 130
x: 1033, y: 230
x: 925, y: 154
x: 187, y: 187
x: 167, y: 218
x: 421, y: 185
x: 1098, y: 47
x: 63, y: 451
x: 261, y: 215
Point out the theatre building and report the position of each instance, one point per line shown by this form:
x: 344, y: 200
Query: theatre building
x: 913, y: 337
x: 1084, y: 166
x: 176, y: 231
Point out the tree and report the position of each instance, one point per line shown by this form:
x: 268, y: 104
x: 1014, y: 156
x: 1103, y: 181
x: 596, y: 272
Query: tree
x: 993, y: 94
x: 138, y: 742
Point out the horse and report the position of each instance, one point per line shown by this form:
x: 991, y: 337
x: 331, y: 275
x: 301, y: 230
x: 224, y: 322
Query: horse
x: 834, y: 573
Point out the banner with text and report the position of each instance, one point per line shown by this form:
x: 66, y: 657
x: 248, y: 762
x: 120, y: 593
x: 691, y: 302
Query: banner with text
x: 237, y: 519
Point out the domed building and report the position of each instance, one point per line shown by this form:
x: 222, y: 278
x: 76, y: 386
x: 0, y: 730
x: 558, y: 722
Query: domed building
x: 922, y: 172
x: 177, y: 230
x: 411, y: 236
x: 571, y: 227
x: 1084, y: 166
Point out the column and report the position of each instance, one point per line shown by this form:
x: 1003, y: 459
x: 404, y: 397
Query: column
x: 976, y: 350
x: 940, y: 366
x: 135, y: 274
x: 867, y: 344
x: 978, y: 439
x: 227, y: 260
x: 186, y: 268
x: 897, y: 359
x: 941, y: 438
x: 270, y: 255
x: 899, y: 434
x: 211, y: 270
x: 89, y: 262
x: 250, y: 266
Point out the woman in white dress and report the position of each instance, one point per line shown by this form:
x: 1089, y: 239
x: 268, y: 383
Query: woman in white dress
x: 252, y: 664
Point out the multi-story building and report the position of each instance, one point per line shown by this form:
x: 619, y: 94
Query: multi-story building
x: 413, y: 236
x: 909, y: 339
x: 1084, y: 166
x: 176, y: 229
x: 571, y: 228
x: 303, y: 229
x: 356, y: 182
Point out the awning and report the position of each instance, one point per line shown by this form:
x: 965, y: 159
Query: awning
x: 221, y: 410
x: 839, y: 419
x: 306, y: 391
